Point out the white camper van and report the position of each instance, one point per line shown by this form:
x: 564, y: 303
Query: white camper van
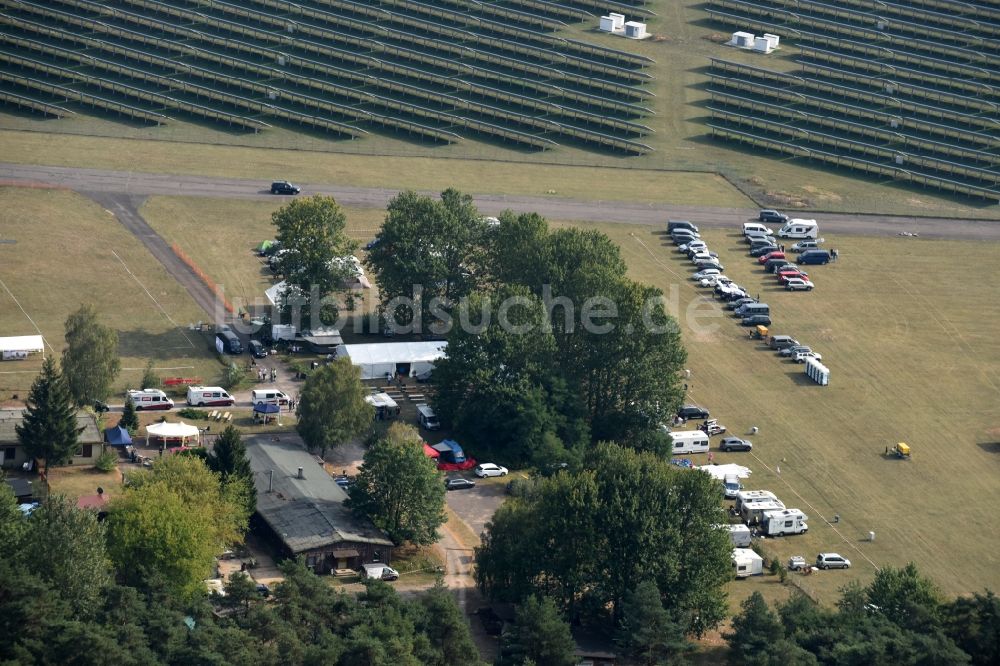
x: 209, y: 396
x: 786, y: 521
x: 797, y: 228
x: 149, y: 399
x: 268, y: 397
x: 427, y: 418
x: 690, y: 441
x: 752, y: 513
x: 751, y: 495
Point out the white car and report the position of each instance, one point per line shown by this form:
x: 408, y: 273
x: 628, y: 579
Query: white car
x: 489, y: 469
x: 701, y: 275
x: 803, y: 356
x: 696, y: 244
x: 802, y: 246
x: 713, y: 280
x: 796, y: 284
x: 704, y: 256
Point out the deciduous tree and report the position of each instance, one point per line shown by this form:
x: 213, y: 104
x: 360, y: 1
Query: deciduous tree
x: 49, y: 430
x: 90, y: 361
x: 401, y: 491
x: 332, y: 407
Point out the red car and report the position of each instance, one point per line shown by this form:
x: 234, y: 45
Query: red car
x: 771, y: 255
x: 787, y: 273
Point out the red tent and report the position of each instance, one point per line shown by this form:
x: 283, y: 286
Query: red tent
x: 429, y: 451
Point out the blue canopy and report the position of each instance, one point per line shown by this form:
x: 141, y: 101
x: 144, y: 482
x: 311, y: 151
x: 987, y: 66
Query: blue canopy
x: 265, y: 408
x: 117, y: 436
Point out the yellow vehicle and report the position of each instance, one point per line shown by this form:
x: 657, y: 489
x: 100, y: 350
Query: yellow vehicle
x: 901, y: 450
x: 760, y: 333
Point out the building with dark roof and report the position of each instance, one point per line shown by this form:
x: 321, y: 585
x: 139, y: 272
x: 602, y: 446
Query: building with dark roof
x: 302, y: 508
x: 13, y: 455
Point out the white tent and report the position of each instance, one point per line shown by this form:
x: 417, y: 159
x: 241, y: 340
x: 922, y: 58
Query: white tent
x: 172, y: 431
x: 720, y: 472
x: 747, y: 563
x: 20, y: 346
x: 388, y: 358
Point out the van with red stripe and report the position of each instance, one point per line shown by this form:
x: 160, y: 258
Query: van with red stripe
x: 209, y: 396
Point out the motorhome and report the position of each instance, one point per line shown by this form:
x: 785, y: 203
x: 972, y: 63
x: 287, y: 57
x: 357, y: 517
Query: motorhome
x: 797, y: 228
x: 752, y: 513
x: 690, y: 441
x: 751, y: 495
x: 427, y: 418
x: 209, y: 396
x: 149, y: 399
x: 786, y: 521
x: 268, y: 397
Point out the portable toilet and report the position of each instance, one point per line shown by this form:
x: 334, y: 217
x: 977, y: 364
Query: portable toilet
x: 618, y: 21
x: 607, y: 24
x: 818, y: 372
x: 742, y: 39
x: 773, y: 40
x: 635, y: 30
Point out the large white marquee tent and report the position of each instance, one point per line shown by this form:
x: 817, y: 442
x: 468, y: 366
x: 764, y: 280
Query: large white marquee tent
x: 389, y: 358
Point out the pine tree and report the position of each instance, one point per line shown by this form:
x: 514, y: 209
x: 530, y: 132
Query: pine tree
x: 647, y: 632
x: 229, y: 459
x: 130, y: 418
x: 48, y: 430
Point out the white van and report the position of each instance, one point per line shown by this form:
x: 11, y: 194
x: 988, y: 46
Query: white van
x: 427, y: 418
x: 750, y: 228
x: 209, y: 396
x: 787, y: 521
x: 149, y: 399
x: 380, y: 572
x: 690, y: 441
x: 268, y: 397
x: 797, y: 228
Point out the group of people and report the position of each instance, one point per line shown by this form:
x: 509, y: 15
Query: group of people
x: 264, y: 373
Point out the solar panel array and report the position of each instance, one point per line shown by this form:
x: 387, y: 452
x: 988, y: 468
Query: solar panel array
x: 435, y: 71
x: 909, y: 90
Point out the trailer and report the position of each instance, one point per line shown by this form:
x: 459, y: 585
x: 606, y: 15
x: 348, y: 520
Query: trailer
x: 752, y: 495
x: 690, y: 441
x: 752, y: 513
x: 747, y: 563
x: 785, y: 521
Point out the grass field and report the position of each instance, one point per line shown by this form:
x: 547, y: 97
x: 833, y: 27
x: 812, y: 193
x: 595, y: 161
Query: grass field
x: 912, y: 357
x: 684, y: 41
x: 67, y: 251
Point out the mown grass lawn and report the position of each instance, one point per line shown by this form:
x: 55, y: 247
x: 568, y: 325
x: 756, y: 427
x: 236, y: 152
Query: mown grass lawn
x: 66, y: 251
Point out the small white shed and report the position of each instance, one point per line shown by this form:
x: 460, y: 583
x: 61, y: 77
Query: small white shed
x: 612, y: 22
x: 747, y: 563
x: 635, y: 30
x: 743, y: 40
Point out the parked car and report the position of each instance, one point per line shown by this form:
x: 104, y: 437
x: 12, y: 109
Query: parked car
x: 803, y: 356
x: 774, y: 254
x: 703, y: 256
x: 803, y: 245
x: 797, y: 284
x: 790, y: 271
x: 680, y: 224
x: 370, y: 245
x: 734, y: 294
x: 756, y: 320
x: 794, y: 349
x: 459, y: 483
x: 814, y: 257
x: 782, y: 341
x: 771, y: 215
x: 762, y: 249
x: 256, y: 349
x: 702, y: 274
x: 683, y: 236
x: 692, y: 412
x: 711, y: 262
x: 485, y: 470
x: 735, y: 444
x: 284, y: 187
x: 695, y: 244
x: 713, y: 280
x: 832, y: 561
x: 774, y: 265
x: 732, y: 305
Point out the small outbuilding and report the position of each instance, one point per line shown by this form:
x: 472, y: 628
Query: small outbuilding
x: 20, y: 347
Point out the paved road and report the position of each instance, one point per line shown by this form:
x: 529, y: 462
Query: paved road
x: 145, y: 184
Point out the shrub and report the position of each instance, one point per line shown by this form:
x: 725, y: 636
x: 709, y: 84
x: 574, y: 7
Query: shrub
x: 232, y: 376
x: 193, y: 414
x: 106, y: 461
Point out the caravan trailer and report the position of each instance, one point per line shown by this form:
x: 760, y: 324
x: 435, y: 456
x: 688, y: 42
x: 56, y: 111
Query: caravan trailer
x: 752, y: 513
x: 786, y: 521
x: 753, y: 495
x: 690, y: 441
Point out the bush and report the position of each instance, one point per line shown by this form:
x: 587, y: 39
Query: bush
x: 106, y: 461
x: 193, y: 414
x: 232, y: 376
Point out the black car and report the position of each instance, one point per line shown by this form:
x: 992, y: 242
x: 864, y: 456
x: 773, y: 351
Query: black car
x: 284, y: 187
x: 458, y: 483
x: 769, y: 215
x: 761, y: 250
x: 732, y: 305
x: 692, y: 412
x: 257, y: 350
x: 756, y: 320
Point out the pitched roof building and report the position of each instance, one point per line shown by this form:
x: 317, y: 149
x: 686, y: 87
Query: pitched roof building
x: 13, y: 456
x: 303, y: 508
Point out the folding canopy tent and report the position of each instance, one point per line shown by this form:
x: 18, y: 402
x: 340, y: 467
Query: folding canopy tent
x: 265, y: 413
x: 165, y: 431
x: 117, y: 436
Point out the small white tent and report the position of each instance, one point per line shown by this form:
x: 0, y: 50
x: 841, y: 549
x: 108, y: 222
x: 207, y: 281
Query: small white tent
x: 20, y: 346
x: 180, y: 432
x: 720, y: 472
x: 390, y: 358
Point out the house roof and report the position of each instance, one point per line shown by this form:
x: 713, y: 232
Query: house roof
x: 21, y: 487
x: 12, y: 417
x: 305, y: 513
